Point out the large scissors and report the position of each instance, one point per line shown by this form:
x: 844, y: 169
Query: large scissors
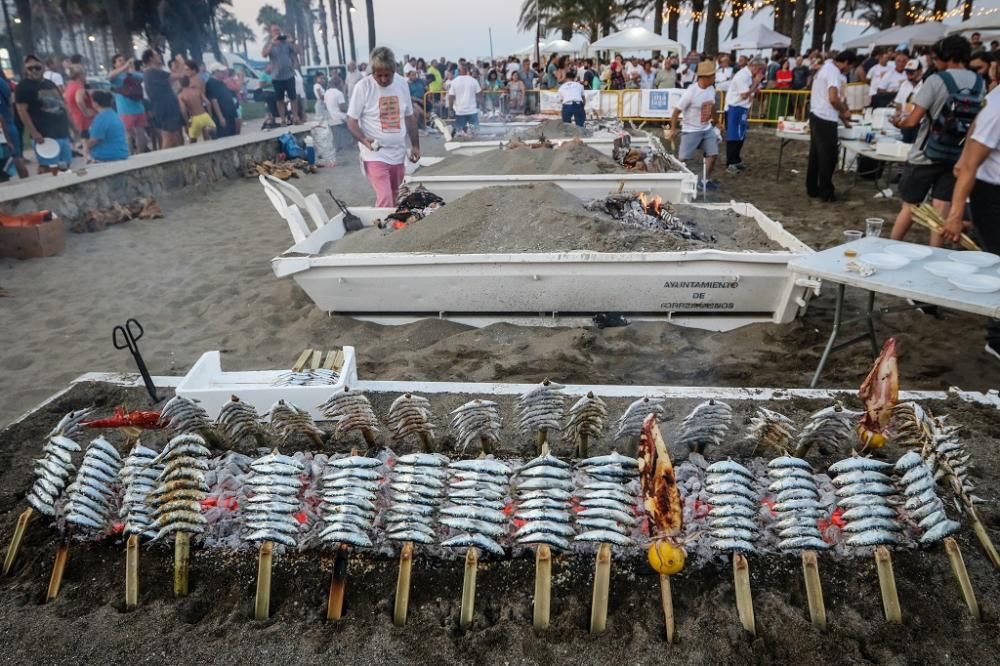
x: 126, y: 337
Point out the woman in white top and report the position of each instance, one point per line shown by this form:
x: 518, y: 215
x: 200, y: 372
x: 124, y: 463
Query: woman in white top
x: 977, y: 178
x: 571, y: 96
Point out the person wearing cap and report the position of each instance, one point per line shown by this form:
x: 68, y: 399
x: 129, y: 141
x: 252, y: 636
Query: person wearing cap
x: 697, y: 108
x: 903, y: 101
x: 739, y: 97
x: 222, y: 101
x: 826, y: 107
x: 884, y: 90
x: 43, y: 113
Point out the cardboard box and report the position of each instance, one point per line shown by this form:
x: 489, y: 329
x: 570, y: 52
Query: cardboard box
x: 792, y: 126
x: 42, y: 240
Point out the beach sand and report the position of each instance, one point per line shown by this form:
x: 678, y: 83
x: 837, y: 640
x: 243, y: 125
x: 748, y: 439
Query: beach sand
x: 200, y: 279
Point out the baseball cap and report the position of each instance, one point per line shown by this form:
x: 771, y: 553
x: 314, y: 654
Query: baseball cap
x: 912, y: 66
x: 217, y: 67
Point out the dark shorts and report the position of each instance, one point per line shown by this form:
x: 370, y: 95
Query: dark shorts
x: 919, y: 179
x: 284, y: 87
x: 167, y: 115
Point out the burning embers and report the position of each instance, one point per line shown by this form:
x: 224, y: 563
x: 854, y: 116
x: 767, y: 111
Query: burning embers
x: 411, y: 206
x: 635, y: 209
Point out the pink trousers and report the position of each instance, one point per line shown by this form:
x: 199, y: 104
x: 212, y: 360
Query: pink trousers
x: 385, y: 179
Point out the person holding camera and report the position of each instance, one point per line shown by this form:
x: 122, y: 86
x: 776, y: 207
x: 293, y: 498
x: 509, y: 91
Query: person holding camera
x: 283, y: 58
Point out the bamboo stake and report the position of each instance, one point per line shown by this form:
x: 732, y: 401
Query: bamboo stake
x: 182, y: 560
x: 667, y: 601
x: 262, y: 605
x: 543, y: 587
x: 132, y: 572
x: 887, y: 583
x: 582, y: 446
x: 744, y: 598
x: 962, y: 576
x: 487, y: 444
x: 927, y: 216
x: 984, y: 540
x: 602, y: 585
x: 403, y: 584
x: 542, y: 438
x: 58, y: 566
x: 369, y: 437
x: 338, y: 585
x: 15, y: 541
x: 814, y: 588
x: 469, y: 587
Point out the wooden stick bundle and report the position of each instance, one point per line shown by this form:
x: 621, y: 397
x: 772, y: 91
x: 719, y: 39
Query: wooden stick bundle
x: 744, y: 598
x: 962, y: 576
x: 469, y: 587
x: 15, y: 540
x: 602, y: 588
x: 814, y: 588
x: 132, y: 572
x: 262, y: 603
x: 927, y: 216
x: 58, y: 567
x: 403, y: 585
x: 182, y: 561
x: 887, y: 584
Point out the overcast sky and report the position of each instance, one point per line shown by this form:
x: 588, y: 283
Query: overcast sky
x: 455, y: 28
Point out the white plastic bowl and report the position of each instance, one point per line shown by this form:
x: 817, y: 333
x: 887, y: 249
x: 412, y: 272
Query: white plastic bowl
x: 980, y: 259
x: 976, y: 282
x: 887, y: 262
x: 948, y: 268
x: 910, y: 251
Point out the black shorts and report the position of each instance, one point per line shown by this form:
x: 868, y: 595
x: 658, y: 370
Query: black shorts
x: 284, y: 87
x: 919, y: 179
x: 167, y: 114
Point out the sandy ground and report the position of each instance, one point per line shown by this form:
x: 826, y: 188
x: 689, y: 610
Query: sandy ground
x: 200, y: 279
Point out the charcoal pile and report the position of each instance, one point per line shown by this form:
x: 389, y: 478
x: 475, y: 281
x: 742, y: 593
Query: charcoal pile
x: 635, y: 209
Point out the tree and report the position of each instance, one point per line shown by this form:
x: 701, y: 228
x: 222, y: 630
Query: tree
x: 712, y: 20
x: 657, y: 21
x: 546, y: 16
x: 234, y: 31
x: 370, y: 10
x: 673, y: 18
x: 267, y: 16
x: 697, y: 11
x: 350, y: 30
x: 799, y: 14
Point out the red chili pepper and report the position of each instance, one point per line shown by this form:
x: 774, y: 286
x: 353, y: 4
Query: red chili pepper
x: 117, y: 528
x: 123, y: 419
x: 301, y: 517
x: 769, y: 503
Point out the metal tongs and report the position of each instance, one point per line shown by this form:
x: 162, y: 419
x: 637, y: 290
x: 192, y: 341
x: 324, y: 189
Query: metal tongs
x: 351, y: 221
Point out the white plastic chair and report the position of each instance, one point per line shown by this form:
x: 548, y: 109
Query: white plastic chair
x: 311, y: 204
x: 276, y: 198
x: 296, y: 223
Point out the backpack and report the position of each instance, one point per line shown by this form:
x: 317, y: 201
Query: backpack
x: 946, y: 136
x: 131, y: 87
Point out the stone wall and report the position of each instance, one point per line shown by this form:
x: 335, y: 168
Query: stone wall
x: 71, y: 202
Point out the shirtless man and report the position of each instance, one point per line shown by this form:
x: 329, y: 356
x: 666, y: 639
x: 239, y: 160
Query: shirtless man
x: 194, y: 109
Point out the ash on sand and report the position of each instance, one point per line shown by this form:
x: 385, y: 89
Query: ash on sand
x: 545, y: 218
x: 567, y: 159
x: 550, y: 128
x: 87, y: 623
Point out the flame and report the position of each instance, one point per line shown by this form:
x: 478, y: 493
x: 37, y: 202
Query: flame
x: 651, y: 206
x: 655, y: 204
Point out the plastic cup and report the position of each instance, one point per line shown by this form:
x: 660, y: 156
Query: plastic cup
x: 850, y: 236
x: 873, y: 227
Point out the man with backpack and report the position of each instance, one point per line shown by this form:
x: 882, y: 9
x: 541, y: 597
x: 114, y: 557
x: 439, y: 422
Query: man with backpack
x: 943, y: 109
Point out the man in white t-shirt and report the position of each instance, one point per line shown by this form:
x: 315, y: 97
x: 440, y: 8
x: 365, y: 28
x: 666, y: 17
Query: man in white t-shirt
x: 883, y: 91
x: 52, y: 74
x: 697, y: 108
x: 573, y: 100
x: 874, y: 74
x: 978, y: 180
x: 336, y: 113
x: 827, y: 107
x: 463, y: 95
x: 380, y: 116
x: 739, y: 97
x: 353, y: 76
x: 903, y: 101
x: 724, y: 74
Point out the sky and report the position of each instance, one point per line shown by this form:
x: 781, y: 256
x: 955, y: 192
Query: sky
x: 461, y: 28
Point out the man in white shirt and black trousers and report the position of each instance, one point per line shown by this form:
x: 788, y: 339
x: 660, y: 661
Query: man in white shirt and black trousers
x: 827, y: 106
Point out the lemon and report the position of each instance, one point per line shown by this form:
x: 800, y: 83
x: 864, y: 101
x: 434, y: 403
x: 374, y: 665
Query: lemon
x: 666, y: 558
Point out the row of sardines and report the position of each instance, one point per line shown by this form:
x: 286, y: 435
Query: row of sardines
x: 308, y: 500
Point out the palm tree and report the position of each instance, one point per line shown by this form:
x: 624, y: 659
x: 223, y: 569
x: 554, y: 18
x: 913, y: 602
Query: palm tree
x: 267, y: 16
x: 370, y: 11
x: 544, y: 16
x: 234, y: 31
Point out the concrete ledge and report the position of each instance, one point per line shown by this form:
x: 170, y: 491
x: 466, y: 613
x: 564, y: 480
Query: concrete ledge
x: 157, y: 173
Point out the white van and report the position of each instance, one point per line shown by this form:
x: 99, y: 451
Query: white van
x: 238, y: 64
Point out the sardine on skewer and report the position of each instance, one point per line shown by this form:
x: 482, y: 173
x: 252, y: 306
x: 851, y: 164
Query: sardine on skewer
x: 586, y: 420
x: 796, y: 504
x: 185, y: 416
x: 730, y: 485
x: 541, y: 409
x: 477, y: 420
x: 138, y: 479
x: 542, y: 493
x: 923, y: 507
x: 348, y: 500
x: 239, y: 421
x: 630, y: 423
x: 90, y: 496
x: 409, y: 415
x: 288, y: 420
x: 474, y: 505
x: 270, y: 511
x: 180, y: 487
x: 353, y: 413
x: 706, y: 424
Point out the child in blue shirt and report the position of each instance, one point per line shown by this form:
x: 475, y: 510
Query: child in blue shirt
x: 108, y: 141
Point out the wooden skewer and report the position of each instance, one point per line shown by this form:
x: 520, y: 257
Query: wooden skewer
x: 58, y: 567
x: 262, y: 605
x: 469, y: 587
x: 602, y: 588
x: 887, y: 583
x: 369, y: 437
x: 403, y: 584
x: 300, y: 363
x: 962, y: 576
x: 338, y: 585
x: 487, y: 444
x: 182, y: 561
x: 543, y: 587
x: 984, y: 540
x: 132, y: 572
x: 15, y: 541
x: 744, y: 598
x: 814, y: 588
x: 667, y: 601
x: 582, y: 446
x: 927, y: 216
x: 542, y: 439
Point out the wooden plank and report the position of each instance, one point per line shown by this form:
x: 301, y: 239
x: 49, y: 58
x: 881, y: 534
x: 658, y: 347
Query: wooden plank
x: 302, y: 360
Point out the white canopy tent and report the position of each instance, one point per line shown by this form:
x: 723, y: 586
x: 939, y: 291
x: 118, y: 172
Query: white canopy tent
x: 637, y: 39
x: 758, y: 38
x: 986, y: 22
x: 560, y: 46
x: 529, y: 50
x: 918, y: 34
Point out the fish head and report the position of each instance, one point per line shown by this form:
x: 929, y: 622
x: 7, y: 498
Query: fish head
x: 880, y: 394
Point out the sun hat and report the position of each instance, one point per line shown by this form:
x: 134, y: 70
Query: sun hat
x: 706, y: 68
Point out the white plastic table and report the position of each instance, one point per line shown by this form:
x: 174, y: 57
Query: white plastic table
x: 860, y: 148
x: 910, y: 282
x: 786, y: 138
